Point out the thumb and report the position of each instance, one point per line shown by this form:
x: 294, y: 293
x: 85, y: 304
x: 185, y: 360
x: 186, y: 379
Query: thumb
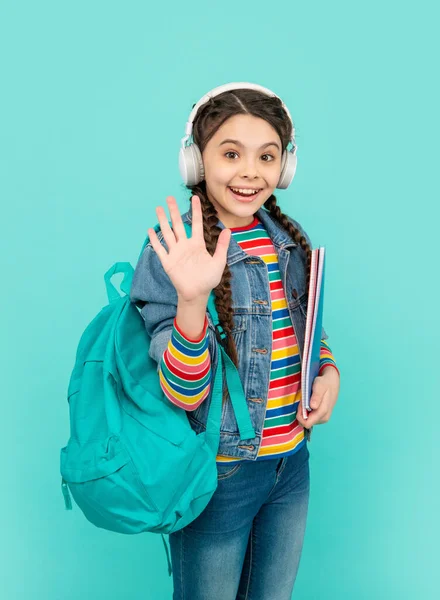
x: 221, y: 250
x: 299, y: 415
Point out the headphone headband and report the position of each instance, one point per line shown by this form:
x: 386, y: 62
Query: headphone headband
x: 226, y: 88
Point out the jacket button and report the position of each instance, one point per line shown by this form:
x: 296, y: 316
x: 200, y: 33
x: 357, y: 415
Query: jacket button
x: 294, y: 293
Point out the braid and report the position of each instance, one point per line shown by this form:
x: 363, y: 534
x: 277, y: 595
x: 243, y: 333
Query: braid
x: 223, y: 292
x: 295, y: 234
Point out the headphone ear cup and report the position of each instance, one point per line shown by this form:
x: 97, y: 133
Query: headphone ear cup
x: 191, y: 165
x: 287, y: 170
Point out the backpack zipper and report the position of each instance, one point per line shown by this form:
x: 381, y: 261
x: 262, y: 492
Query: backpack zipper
x: 66, y: 494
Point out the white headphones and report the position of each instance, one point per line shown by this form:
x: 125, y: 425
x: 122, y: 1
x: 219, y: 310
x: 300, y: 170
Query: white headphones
x: 190, y: 158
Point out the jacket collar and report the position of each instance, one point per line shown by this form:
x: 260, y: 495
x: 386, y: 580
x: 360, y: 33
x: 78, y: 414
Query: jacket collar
x: 279, y: 237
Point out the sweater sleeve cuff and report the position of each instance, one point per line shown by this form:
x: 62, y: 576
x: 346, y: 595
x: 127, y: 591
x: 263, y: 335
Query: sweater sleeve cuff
x: 328, y: 365
x: 188, y: 339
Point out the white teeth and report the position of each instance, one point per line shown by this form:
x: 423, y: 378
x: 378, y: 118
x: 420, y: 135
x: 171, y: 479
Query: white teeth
x: 242, y: 191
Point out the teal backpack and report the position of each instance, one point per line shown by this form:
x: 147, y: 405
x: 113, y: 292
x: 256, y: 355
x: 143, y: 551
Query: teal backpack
x: 133, y: 463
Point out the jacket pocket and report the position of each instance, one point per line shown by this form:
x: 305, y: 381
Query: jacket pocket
x: 240, y: 322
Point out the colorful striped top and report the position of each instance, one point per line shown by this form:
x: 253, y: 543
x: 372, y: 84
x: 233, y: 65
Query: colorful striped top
x: 185, y: 369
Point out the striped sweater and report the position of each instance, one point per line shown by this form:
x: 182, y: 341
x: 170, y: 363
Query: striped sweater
x: 185, y: 368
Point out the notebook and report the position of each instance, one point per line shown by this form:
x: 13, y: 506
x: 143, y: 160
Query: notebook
x: 312, y: 341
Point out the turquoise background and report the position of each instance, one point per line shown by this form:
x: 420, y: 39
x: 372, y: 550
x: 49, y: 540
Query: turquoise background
x: 94, y: 100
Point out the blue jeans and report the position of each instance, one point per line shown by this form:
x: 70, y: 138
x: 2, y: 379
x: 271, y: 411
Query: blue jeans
x: 247, y: 543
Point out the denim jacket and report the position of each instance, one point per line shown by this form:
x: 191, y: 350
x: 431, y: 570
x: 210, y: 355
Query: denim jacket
x: 153, y: 292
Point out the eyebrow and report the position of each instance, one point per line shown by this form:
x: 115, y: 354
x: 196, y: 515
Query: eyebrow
x: 228, y: 141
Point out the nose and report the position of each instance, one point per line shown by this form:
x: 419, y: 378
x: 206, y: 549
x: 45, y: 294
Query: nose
x: 249, y: 170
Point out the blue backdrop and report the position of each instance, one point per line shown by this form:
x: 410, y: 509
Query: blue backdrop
x: 94, y: 99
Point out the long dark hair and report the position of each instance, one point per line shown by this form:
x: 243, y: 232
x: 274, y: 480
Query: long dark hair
x: 208, y: 119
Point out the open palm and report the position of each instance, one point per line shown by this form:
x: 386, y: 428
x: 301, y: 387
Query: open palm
x: 192, y: 270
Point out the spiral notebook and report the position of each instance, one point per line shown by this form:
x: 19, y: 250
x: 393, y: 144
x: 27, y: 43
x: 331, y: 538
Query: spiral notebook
x: 312, y: 341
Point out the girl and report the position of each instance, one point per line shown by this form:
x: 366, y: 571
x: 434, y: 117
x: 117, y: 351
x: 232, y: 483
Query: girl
x: 247, y: 543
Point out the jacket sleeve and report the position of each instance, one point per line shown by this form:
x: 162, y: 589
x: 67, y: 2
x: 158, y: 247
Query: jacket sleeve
x: 153, y: 292
x: 324, y: 335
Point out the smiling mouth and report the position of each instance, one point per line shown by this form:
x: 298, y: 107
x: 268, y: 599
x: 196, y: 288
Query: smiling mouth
x: 244, y: 196
x: 237, y: 191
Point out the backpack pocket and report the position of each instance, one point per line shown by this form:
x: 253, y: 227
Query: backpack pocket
x: 105, y: 485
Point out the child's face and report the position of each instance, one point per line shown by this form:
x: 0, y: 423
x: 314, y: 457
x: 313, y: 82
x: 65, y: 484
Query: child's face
x: 246, y: 166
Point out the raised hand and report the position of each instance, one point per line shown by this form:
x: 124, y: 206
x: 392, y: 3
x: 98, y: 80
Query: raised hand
x: 192, y: 270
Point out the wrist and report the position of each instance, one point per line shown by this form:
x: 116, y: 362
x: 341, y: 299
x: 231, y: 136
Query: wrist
x: 200, y: 300
x: 330, y: 370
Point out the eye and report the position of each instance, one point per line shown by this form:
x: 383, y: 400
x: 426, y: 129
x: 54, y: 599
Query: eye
x: 233, y: 152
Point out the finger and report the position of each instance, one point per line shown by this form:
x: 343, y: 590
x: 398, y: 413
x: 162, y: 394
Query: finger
x: 197, y: 218
x: 167, y: 232
x: 318, y: 390
x: 160, y: 250
x: 299, y: 414
x: 304, y: 422
x: 221, y: 250
x: 310, y: 421
x: 315, y: 401
x: 315, y: 417
x: 176, y: 219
